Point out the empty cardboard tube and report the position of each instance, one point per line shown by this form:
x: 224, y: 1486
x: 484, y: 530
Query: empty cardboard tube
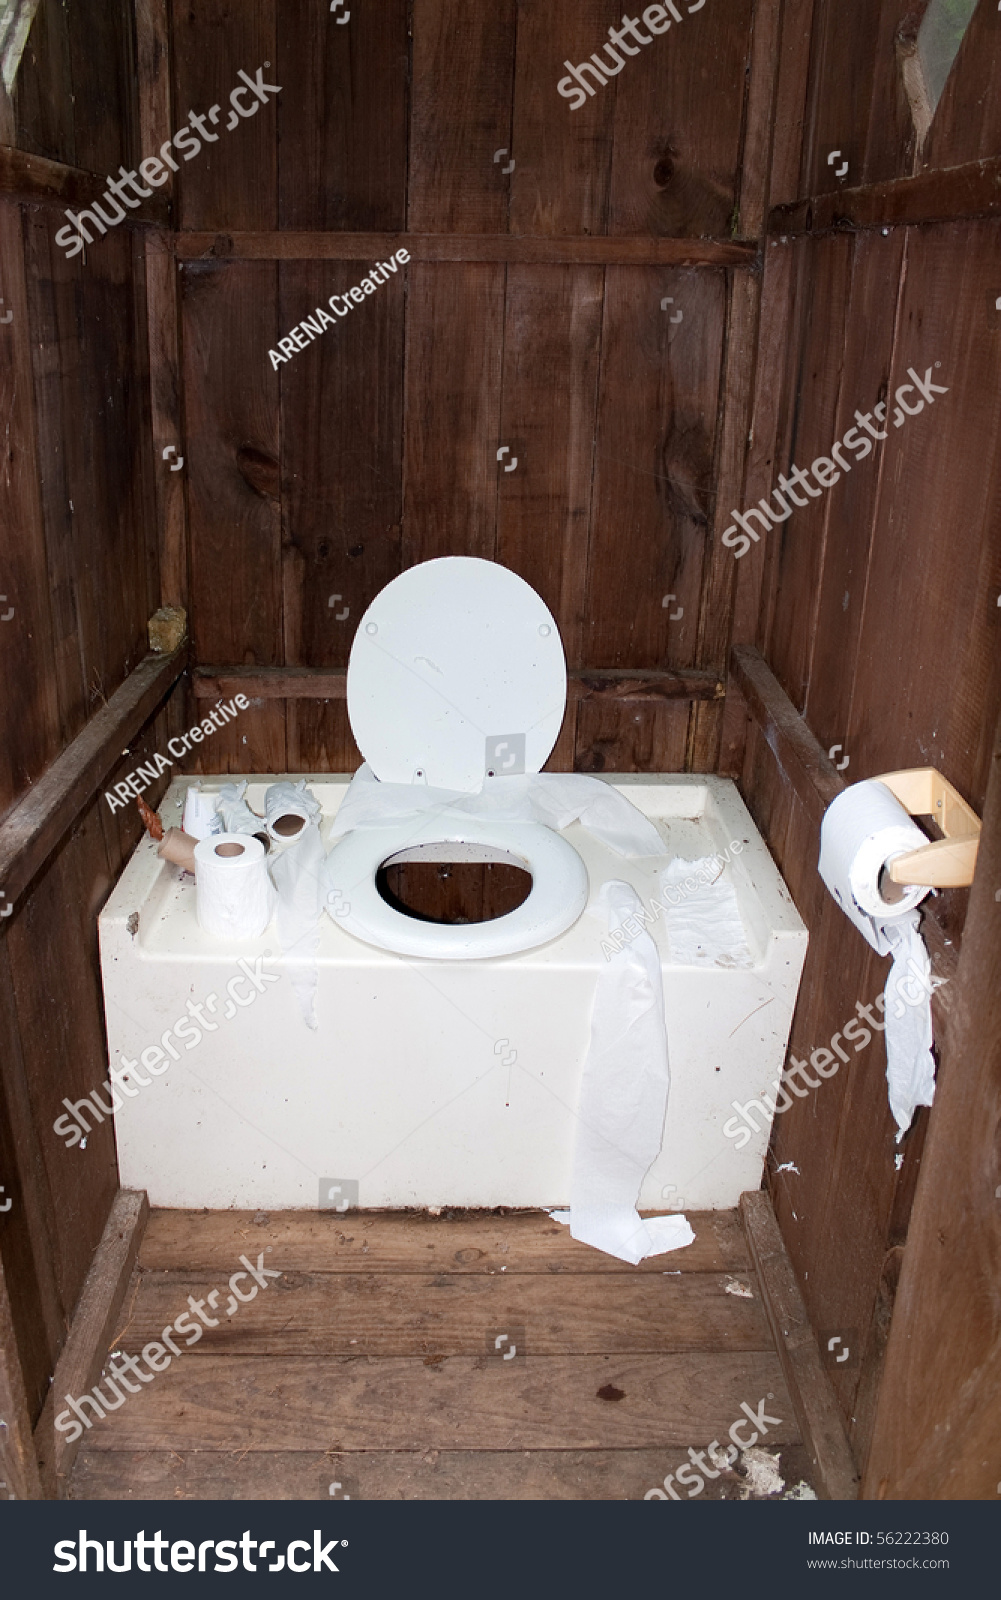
x: 178, y: 847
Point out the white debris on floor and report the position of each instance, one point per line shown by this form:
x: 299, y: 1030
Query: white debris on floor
x: 762, y: 1476
x: 789, y: 1166
x: 742, y: 1290
x: 800, y: 1491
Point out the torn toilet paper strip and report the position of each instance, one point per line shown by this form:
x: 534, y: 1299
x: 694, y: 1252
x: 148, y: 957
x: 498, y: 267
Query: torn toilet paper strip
x: 863, y: 829
x: 296, y: 873
x: 623, y: 1099
x: 553, y: 798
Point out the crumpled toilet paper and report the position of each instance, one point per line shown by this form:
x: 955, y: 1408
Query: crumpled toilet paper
x: 553, y: 798
x: 623, y: 1099
x: 863, y: 828
x: 286, y: 804
x: 236, y: 815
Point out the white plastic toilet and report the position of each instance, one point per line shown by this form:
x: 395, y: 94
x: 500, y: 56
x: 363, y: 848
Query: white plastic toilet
x: 456, y: 676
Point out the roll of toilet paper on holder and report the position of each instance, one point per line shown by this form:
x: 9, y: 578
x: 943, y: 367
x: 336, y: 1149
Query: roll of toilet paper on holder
x: 234, y: 898
x: 863, y: 829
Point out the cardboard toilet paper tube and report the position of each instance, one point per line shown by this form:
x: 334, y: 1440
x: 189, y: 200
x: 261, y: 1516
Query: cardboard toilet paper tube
x: 289, y: 809
x: 235, y: 897
x: 178, y: 847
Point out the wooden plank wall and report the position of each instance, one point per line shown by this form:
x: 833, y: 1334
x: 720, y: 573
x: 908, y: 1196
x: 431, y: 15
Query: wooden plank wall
x: 79, y: 575
x: 877, y: 605
x: 376, y: 448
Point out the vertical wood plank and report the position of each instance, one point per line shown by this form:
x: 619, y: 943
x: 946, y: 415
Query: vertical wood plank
x: 552, y: 331
x: 560, y: 182
x: 232, y: 181
x: 232, y: 461
x: 17, y: 1450
x: 342, y: 121
x: 936, y: 1435
x: 461, y: 115
x: 455, y: 331
x: 675, y: 163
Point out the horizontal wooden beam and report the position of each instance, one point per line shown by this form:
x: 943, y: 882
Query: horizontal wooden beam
x: 532, y: 249
x: 809, y: 1386
x: 816, y: 782
x: 330, y: 683
x: 32, y: 829
x: 973, y: 190
x: 36, y: 178
x: 86, y: 1349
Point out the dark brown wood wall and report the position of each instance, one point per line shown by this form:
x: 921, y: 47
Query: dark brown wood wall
x: 876, y: 606
x: 79, y: 572
x: 376, y: 448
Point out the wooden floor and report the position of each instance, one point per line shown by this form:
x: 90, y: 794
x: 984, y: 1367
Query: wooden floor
x: 370, y: 1368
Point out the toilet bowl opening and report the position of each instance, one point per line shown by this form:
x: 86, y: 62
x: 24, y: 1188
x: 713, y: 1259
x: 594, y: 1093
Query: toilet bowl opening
x: 454, y: 883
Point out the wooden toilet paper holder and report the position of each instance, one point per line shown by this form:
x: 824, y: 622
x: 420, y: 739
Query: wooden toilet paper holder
x: 946, y: 863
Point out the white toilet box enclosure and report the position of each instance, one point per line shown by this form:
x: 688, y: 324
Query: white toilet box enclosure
x: 433, y: 1082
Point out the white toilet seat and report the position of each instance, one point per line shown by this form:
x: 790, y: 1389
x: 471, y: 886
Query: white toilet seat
x: 556, y: 899
x: 457, y: 675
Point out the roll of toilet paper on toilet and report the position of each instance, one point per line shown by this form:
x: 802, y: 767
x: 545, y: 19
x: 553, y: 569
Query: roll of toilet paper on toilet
x: 289, y: 808
x: 863, y: 829
x: 235, y: 898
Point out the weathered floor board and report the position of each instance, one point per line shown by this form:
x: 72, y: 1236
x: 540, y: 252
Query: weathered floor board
x: 370, y: 1362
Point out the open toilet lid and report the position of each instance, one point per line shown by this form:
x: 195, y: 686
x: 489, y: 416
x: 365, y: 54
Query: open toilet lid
x: 457, y: 672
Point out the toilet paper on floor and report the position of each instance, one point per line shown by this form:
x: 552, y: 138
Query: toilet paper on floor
x: 863, y: 829
x: 297, y: 873
x: 553, y: 798
x: 623, y: 1099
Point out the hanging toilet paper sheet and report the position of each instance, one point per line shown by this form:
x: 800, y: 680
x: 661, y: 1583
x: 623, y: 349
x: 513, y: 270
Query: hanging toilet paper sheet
x: 288, y: 810
x: 297, y: 873
x: 553, y: 798
x: 863, y: 829
x: 703, y: 922
x: 623, y: 1099
x: 234, y: 897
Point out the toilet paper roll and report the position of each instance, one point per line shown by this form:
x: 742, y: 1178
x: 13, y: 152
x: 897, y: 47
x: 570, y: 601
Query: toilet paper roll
x: 236, y: 815
x: 288, y: 809
x: 235, y: 898
x: 863, y: 829
x: 201, y: 819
